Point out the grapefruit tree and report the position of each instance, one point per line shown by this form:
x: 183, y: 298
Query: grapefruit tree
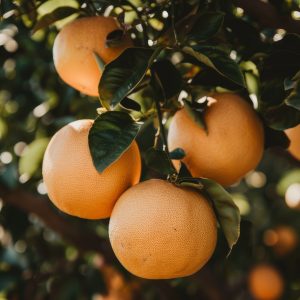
x: 176, y: 122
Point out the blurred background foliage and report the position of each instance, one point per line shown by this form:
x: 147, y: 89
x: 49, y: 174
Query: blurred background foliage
x: 45, y: 254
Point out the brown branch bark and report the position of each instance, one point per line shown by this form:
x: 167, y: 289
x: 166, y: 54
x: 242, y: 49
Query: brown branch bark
x: 267, y: 15
x: 82, y: 238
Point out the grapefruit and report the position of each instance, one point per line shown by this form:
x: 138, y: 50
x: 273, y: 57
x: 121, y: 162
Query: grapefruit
x: 74, y: 48
x: 232, y: 146
x: 158, y: 230
x: 73, y: 183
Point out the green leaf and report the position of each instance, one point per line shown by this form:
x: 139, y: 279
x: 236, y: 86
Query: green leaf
x: 55, y: 15
x: 32, y: 157
x: 277, y: 114
x: 293, y: 98
x: 209, y: 77
x: 190, y: 182
x: 177, y: 153
x: 282, y: 117
x: 122, y: 75
x: 169, y: 77
x: 207, y: 25
x: 227, y: 212
x: 218, y: 60
x: 5, y: 6
x: 130, y: 104
x: 275, y: 138
x: 114, y: 38
x: 158, y: 161
x: 288, y: 84
x: 110, y: 136
x: 195, y: 115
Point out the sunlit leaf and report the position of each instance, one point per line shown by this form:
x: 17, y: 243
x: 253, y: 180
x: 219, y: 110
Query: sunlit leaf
x: 54, y: 16
x: 219, y: 60
x: 32, y: 157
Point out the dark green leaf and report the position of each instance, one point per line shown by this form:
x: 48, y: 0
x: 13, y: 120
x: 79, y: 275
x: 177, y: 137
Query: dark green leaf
x: 227, y: 212
x: 177, y: 153
x: 293, y: 98
x: 129, y: 104
x: 9, y: 176
x: 196, y: 116
x: 158, y: 161
x: 282, y: 117
x: 110, y: 136
x: 123, y: 74
x: 169, y: 77
x: 190, y: 182
x: 275, y: 138
x: 5, y: 6
x: 114, y: 38
x: 219, y: 60
x: 183, y: 171
x: 209, y: 77
x: 283, y: 60
x: 289, y: 84
x: 207, y: 25
x: 56, y: 15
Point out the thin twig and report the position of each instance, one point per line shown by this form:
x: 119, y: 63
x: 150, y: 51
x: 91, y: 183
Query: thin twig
x: 173, y: 22
x: 160, y: 118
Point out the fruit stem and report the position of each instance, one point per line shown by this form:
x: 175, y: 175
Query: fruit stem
x: 161, y: 130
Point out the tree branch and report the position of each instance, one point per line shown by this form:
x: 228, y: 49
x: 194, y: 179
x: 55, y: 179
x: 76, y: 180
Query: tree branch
x: 267, y: 15
x: 82, y: 238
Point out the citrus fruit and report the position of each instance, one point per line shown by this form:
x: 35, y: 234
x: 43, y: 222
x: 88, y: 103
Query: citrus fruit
x: 73, y: 183
x: 232, y: 146
x: 265, y: 283
x: 75, y: 47
x: 283, y: 239
x: 294, y: 136
x: 158, y: 230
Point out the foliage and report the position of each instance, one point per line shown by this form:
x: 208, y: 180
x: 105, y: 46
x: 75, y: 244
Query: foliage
x: 182, y: 50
